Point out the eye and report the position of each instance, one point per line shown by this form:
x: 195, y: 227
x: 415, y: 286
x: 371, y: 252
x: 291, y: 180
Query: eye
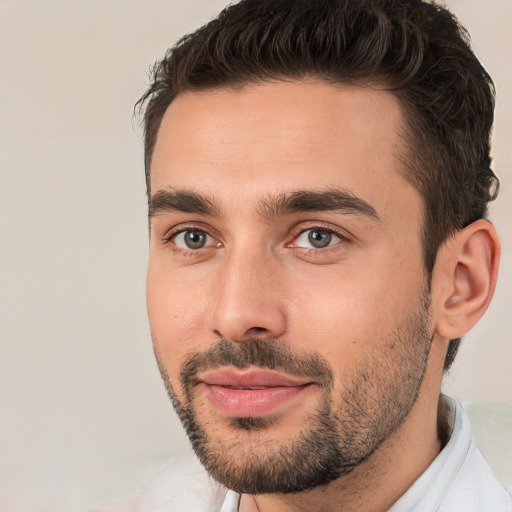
x: 192, y: 239
x: 317, y: 238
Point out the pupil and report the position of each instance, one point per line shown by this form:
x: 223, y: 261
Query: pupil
x: 320, y: 238
x: 195, y: 239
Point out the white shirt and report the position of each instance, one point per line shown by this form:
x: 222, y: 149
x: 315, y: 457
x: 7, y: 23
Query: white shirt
x: 458, y: 480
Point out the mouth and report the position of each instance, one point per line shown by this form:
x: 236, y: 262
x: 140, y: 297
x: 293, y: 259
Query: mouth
x: 250, y: 393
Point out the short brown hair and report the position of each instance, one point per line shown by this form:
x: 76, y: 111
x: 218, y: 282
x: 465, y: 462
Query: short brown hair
x: 414, y: 48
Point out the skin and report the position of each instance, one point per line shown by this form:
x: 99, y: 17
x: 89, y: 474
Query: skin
x: 258, y: 276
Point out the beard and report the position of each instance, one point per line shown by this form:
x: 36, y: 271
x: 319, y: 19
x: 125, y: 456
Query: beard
x: 338, y: 435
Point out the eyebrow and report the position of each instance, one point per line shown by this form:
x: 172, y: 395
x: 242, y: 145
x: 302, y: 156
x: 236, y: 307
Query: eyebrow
x: 184, y: 201
x: 339, y: 200
x: 316, y: 201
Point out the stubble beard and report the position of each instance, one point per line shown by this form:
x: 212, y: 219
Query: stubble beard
x: 336, y: 437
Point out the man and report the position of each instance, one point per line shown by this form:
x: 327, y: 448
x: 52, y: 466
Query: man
x: 318, y: 176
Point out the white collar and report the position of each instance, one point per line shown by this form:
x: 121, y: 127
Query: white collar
x: 431, y: 488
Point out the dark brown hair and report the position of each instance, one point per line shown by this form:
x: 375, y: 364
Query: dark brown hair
x: 414, y: 48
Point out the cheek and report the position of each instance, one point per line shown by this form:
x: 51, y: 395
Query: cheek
x: 175, y: 314
x: 335, y: 323
x: 344, y: 313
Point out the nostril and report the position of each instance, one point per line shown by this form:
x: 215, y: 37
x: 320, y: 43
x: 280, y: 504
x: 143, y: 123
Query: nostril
x: 252, y: 332
x: 257, y: 330
x: 237, y: 320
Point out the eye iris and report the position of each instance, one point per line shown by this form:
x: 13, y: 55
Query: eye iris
x: 320, y: 238
x: 195, y: 239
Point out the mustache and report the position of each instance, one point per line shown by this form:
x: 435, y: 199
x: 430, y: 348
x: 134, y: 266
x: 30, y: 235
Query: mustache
x: 264, y: 354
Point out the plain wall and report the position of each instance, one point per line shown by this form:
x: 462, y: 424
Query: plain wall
x: 81, y: 400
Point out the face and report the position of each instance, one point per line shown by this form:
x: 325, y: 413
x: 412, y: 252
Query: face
x: 286, y: 292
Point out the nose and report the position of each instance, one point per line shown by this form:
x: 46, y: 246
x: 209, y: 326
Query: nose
x: 249, y: 298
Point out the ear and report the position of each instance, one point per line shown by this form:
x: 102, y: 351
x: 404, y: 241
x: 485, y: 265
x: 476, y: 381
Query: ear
x: 465, y: 277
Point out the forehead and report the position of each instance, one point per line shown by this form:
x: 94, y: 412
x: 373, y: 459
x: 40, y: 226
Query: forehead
x: 278, y: 137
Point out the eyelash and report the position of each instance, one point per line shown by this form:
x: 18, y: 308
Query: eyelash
x: 168, y: 239
x: 319, y: 227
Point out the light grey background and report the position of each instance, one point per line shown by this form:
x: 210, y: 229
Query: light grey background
x: 84, y: 416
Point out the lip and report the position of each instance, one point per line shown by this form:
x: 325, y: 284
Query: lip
x: 250, y: 393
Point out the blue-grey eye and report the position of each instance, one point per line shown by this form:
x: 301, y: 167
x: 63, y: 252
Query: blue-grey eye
x: 191, y: 239
x: 319, y: 238
x: 316, y: 238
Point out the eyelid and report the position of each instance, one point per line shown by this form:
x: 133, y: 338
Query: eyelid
x: 302, y: 228
x: 296, y: 232
x: 173, y: 232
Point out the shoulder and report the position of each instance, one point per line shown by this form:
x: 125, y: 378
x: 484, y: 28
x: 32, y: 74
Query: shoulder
x: 183, y: 486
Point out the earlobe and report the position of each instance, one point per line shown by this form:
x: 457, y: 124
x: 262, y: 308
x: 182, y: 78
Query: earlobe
x: 467, y: 265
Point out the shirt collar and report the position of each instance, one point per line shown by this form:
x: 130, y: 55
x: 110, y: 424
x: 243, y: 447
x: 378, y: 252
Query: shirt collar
x: 430, y: 489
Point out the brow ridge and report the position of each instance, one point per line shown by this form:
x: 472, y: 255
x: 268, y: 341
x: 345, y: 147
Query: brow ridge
x: 316, y: 201
x: 185, y: 201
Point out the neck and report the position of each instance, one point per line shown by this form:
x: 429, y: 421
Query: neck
x: 383, y: 478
